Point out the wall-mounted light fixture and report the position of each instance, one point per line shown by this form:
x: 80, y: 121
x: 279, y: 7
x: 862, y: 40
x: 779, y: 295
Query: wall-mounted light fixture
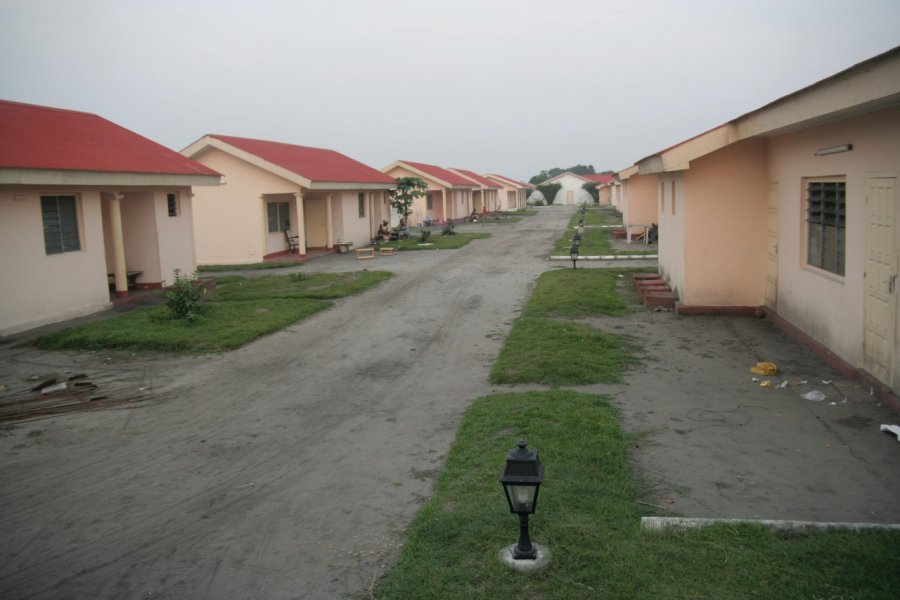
x: 833, y: 150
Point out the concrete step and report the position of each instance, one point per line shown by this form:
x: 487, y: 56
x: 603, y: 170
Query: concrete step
x: 660, y: 299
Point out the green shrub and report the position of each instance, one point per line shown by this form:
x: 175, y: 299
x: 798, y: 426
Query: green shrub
x: 185, y: 297
x: 425, y: 236
x: 449, y: 228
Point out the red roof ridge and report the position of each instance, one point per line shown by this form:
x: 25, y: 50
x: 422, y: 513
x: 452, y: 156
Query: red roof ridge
x: 312, y: 163
x: 477, y: 178
x: 441, y: 173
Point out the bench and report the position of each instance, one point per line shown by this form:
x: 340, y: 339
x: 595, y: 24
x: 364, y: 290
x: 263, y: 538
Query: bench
x: 387, y: 251
x: 131, y: 275
x: 364, y: 253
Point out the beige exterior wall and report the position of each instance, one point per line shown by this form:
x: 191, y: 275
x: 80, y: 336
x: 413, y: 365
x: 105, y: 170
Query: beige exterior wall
x: 725, y: 217
x: 230, y: 220
x: 39, y: 288
x: 640, y: 201
x: 604, y: 195
x: 176, y: 234
x: 830, y: 308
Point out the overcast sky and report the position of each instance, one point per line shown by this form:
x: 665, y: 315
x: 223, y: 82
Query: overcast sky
x: 505, y: 86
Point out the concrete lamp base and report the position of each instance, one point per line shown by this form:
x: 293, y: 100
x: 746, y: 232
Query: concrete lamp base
x: 542, y: 560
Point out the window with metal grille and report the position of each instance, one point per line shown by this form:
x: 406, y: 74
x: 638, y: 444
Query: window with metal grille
x: 826, y: 210
x: 361, y: 199
x: 172, y: 203
x: 279, y: 214
x: 60, y: 217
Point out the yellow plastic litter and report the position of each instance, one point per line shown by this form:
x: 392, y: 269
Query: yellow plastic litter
x: 766, y: 383
x: 764, y: 368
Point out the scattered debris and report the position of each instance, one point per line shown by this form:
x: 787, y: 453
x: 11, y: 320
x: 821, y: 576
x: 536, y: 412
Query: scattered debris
x: 764, y: 368
x: 57, y: 387
x: 783, y: 384
x: 45, y: 383
x: 766, y: 383
x: 51, y: 396
x: 894, y: 429
x: 815, y: 396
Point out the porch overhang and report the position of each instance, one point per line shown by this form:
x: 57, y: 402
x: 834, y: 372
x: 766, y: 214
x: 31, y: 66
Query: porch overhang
x: 102, y: 178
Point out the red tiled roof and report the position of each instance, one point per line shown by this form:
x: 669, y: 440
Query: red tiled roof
x: 601, y: 178
x: 315, y: 164
x: 478, y: 178
x: 509, y: 180
x: 40, y: 137
x: 442, y: 174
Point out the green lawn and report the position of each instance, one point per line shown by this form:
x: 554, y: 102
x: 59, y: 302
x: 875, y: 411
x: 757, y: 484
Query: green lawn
x: 588, y: 517
x: 237, y: 312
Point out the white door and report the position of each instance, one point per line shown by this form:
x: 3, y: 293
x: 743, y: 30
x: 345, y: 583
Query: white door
x: 772, y: 250
x: 881, y: 276
x: 570, y: 197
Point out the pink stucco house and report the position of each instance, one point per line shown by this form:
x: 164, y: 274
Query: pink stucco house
x: 449, y: 194
x: 85, y: 201
x: 512, y: 193
x: 273, y: 191
x: 485, y: 194
x: 793, y: 210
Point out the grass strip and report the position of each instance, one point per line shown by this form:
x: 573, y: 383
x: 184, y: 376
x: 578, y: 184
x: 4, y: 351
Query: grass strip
x: 437, y: 242
x: 577, y: 293
x: 556, y: 353
x: 588, y: 518
x: 543, y: 349
x: 248, y: 267
x: 239, y: 311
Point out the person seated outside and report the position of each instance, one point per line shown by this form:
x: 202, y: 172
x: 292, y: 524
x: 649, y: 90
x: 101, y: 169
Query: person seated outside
x: 384, y: 231
x: 404, y: 230
x: 474, y: 216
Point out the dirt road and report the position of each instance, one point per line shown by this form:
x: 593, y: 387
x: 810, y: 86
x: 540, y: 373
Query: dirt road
x: 287, y: 469
x: 290, y: 469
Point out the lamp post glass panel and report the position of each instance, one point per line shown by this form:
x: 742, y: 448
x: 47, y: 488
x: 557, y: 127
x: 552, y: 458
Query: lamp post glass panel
x: 521, y: 481
x: 573, y: 254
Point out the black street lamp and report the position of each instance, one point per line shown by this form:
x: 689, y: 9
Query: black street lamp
x: 573, y: 254
x: 521, y: 479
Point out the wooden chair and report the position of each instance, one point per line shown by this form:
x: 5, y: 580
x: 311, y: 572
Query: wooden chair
x: 293, y: 242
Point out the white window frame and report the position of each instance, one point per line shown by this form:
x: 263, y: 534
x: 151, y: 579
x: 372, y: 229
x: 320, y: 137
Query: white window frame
x: 63, y: 237
x: 819, y: 219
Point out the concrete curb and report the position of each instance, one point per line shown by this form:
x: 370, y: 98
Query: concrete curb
x: 609, y: 257
x: 661, y: 523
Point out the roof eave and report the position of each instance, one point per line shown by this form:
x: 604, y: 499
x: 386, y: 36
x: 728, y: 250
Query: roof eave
x: 349, y: 185
x: 102, y: 178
